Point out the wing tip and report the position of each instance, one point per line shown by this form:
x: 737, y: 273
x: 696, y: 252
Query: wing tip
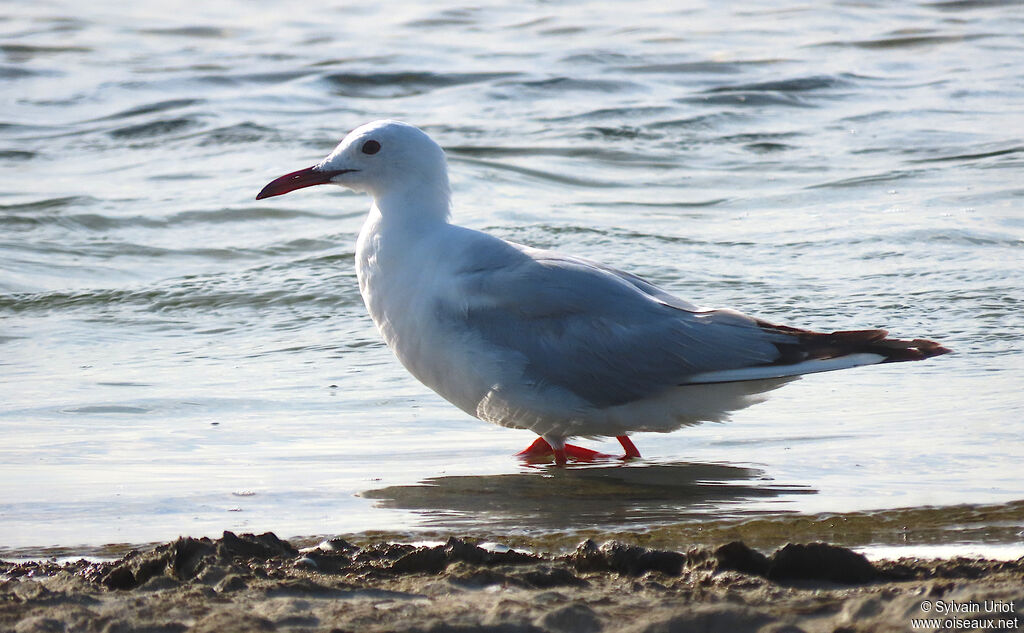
x: 807, y: 345
x: 916, y: 349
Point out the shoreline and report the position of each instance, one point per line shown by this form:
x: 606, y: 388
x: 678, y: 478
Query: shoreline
x: 993, y: 552
x: 936, y: 531
x: 260, y: 582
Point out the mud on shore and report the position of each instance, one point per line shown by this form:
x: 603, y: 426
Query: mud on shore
x: 262, y: 583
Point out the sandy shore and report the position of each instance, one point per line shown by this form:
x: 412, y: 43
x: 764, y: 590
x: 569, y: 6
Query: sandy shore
x: 261, y: 583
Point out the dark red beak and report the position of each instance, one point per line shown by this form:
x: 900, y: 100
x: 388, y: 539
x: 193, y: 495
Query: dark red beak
x: 299, y: 179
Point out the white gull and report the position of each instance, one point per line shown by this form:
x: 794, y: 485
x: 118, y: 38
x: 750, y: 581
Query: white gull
x: 559, y: 345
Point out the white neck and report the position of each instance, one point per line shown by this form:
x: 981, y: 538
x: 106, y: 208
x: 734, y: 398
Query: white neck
x: 418, y: 200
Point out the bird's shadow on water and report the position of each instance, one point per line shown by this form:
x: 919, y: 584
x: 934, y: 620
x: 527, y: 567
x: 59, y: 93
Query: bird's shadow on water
x: 607, y: 496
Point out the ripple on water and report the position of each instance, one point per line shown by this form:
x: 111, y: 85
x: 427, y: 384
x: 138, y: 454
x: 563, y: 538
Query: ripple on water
x: 25, y: 52
x: 869, y: 179
x: 905, y: 41
x: 448, y: 17
x: 557, y: 85
x: 968, y: 5
x: 543, y: 175
x: 388, y: 85
x: 749, y: 99
x: 598, y: 152
x: 17, y: 154
x: 107, y: 409
x: 150, y: 108
x: 631, y: 113
x: 190, y: 31
x: 767, y: 148
x: 18, y: 72
x: 796, y: 84
x: 246, y: 132
x: 310, y: 281
x: 971, y: 156
x: 48, y: 204
x: 150, y: 129
x: 104, y: 223
x: 698, y: 67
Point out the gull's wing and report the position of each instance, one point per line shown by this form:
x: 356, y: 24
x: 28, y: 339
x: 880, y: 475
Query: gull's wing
x: 613, y: 338
x: 607, y: 336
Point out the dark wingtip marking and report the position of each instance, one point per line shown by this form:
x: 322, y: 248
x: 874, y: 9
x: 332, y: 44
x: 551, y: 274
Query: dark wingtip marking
x: 927, y: 348
x: 807, y: 345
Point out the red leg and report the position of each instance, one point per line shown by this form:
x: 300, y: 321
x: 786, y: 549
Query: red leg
x: 628, y: 446
x: 581, y: 454
x: 541, y: 448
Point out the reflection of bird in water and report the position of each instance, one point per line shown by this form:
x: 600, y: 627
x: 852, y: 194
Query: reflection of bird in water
x: 605, y: 496
x: 555, y: 344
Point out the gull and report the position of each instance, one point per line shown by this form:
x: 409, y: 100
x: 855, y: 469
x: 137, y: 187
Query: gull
x: 555, y: 344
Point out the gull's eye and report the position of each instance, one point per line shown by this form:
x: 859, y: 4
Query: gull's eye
x: 371, y: 147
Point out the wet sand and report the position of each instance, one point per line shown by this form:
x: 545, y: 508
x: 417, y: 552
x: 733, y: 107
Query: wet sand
x: 262, y: 583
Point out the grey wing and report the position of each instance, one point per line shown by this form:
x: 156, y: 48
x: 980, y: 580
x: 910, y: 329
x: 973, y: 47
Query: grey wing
x: 607, y: 336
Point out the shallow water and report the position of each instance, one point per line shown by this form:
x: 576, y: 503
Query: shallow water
x: 177, y: 358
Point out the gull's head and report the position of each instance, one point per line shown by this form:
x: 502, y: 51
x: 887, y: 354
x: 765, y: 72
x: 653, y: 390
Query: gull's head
x: 382, y: 158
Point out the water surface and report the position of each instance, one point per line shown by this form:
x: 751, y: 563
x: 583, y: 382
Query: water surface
x: 177, y: 358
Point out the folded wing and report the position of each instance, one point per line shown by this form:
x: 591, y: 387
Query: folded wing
x: 613, y: 338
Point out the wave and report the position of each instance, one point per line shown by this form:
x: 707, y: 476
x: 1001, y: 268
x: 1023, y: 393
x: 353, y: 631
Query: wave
x: 17, y: 154
x: 971, y: 156
x: 401, y: 83
x: 749, y: 99
x: 18, y: 72
x: 905, y: 41
x: 574, y: 84
x: 189, y: 31
x: 158, y: 127
x: 100, y: 223
x: 313, y: 282
x: 150, y: 108
x: 967, y: 5
x: 541, y: 174
x: 47, y: 212
x: 47, y: 204
x: 796, y: 84
x: 869, y: 179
